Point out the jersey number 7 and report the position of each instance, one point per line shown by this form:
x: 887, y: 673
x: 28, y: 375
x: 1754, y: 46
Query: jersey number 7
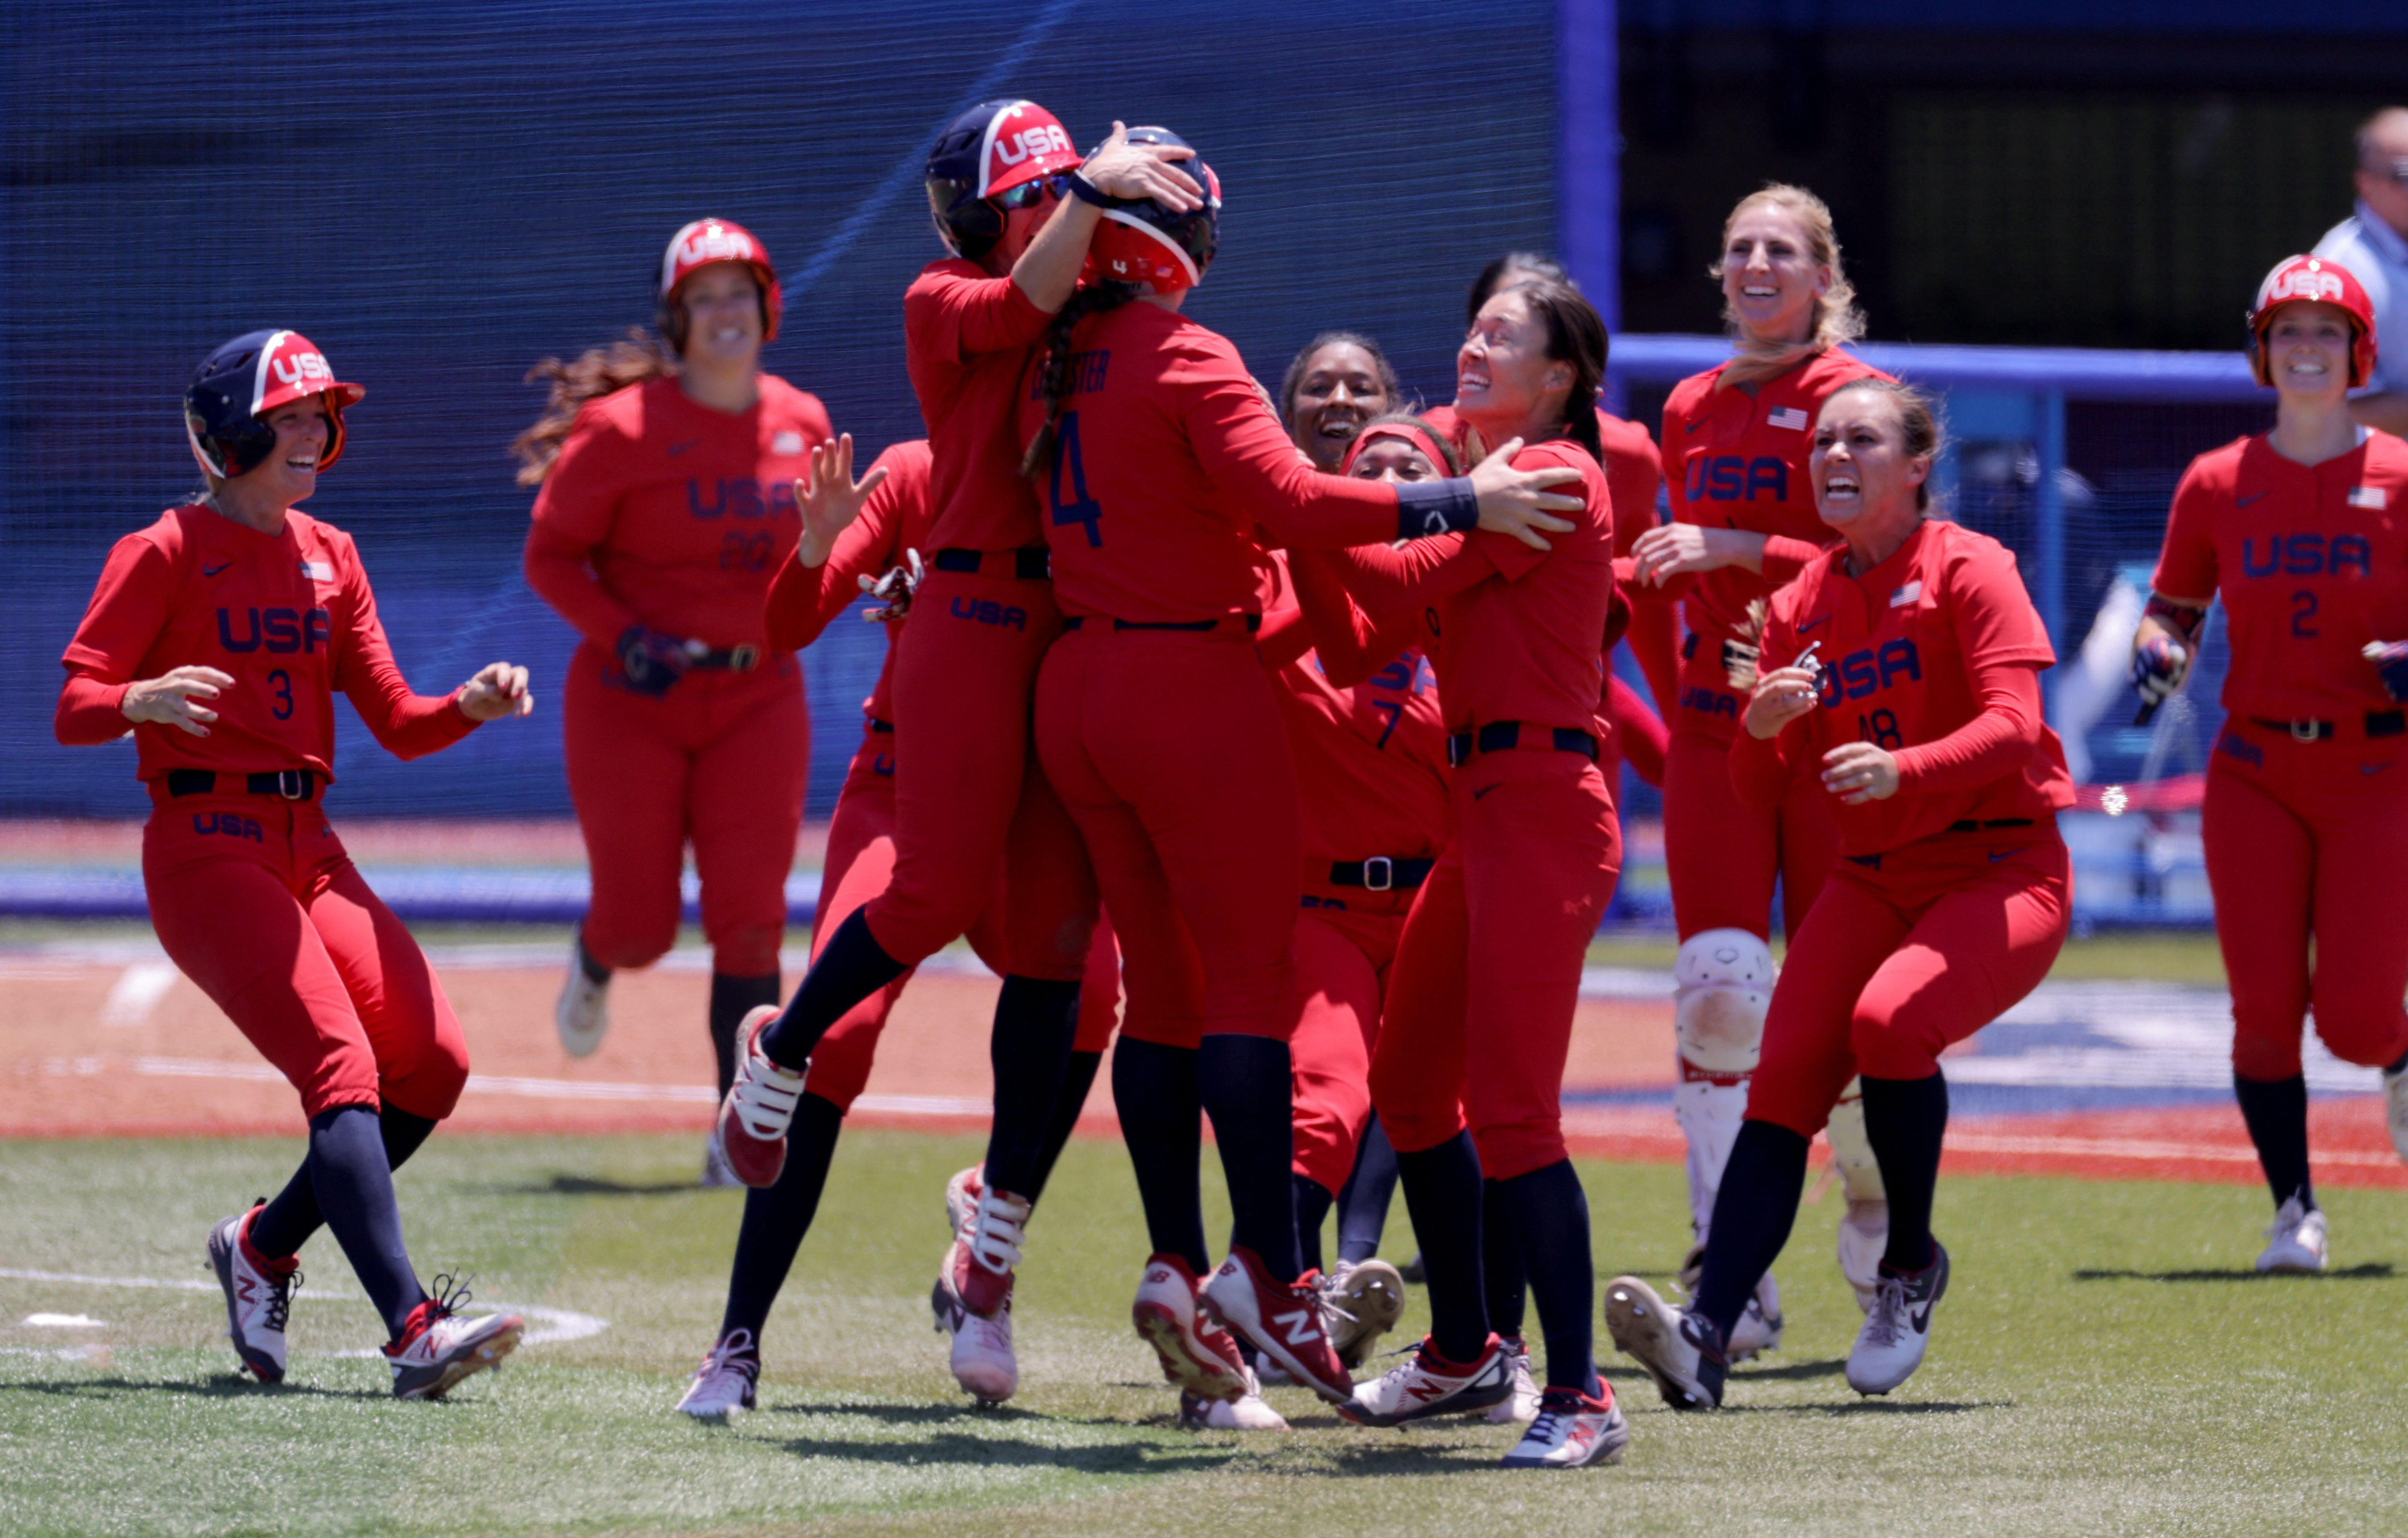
x: 1079, y: 508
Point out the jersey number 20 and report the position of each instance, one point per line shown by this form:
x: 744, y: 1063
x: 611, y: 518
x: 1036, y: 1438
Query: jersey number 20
x: 1079, y: 508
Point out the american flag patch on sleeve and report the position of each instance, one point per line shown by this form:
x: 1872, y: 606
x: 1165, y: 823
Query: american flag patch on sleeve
x: 318, y: 572
x: 1907, y: 595
x: 1788, y: 416
x: 2369, y: 497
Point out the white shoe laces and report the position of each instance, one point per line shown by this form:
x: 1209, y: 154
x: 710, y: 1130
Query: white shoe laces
x: 1887, y: 1320
x: 2288, y: 1222
x: 764, y: 1096
x: 997, y: 1230
x: 738, y: 1353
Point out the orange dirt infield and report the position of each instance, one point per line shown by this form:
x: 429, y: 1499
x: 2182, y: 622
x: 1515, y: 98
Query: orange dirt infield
x: 120, y: 1048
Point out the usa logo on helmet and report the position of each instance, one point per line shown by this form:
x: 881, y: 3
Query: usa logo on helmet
x: 2314, y: 279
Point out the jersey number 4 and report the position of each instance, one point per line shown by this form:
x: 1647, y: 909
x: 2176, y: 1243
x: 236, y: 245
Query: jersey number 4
x: 1079, y: 508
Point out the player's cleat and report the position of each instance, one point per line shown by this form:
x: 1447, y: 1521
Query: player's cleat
x: 2395, y: 1108
x: 582, y: 1013
x: 1863, y: 1234
x: 1360, y: 1301
x: 759, y: 1107
x: 1429, y: 1385
x: 987, y: 1249
x: 1759, y: 1327
x: 716, y: 1173
x: 1248, y: 1412
x: 724, y: 1385
x: 1415, y: 1272
x: 1521, y: 1407
x: 1683, y: 1352
x: 2296, y: 1244
x: 438, y: 1347
x: 982, y: 1358
x: 1197, y: 1357
x: 1890, y: 1345
x: 962, y: 1197
x: 1280, y: 1320
x: 1571, y: 1431
x: 258, y: 1293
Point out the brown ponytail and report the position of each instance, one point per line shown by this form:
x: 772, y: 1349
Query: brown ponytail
x: 1575, y: 335
x: 1054, y: 368
x: 599, y: 371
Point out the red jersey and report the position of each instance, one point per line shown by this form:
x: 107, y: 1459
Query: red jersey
x: 2312, y: 563
x: 1738, y: 460
x: 1169, y: 457
x: 1634, y: 471
x: 288, y: 615
x: 896, y: 517
x: 1900, y: 648
x: 966, y: 341
x: 665, y: 512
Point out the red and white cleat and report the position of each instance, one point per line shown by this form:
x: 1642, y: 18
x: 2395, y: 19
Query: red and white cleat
x: 1202, y: 1359
x: 982, y: 1359
x: 759, y: 1107
x: 1571, y: 1431
x: 1429, y: 1385
x: 962, y: 1197
x: 258, y: 1293
x: 438, y: 1347
x: 1280, y: 1320
x: 726, y: 1384
x: 987, y: 1249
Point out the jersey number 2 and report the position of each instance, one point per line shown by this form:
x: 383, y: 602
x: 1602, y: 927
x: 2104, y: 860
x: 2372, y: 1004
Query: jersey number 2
x: 2304, y: 605
x: 1079, y: 508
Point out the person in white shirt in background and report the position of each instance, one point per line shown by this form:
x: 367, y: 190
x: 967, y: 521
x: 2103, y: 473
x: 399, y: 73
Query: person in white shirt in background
x: 2373, y: 244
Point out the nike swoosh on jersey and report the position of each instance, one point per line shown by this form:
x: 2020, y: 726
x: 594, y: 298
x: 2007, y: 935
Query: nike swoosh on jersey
x: 677, y: 449
x: 1998, y: 855
x: 2373, y: 768
x: 2244, y: 501
x: 213, y: 570
x: 1804, y: 625
x: 1481, y: 791
x: 1694, y: 426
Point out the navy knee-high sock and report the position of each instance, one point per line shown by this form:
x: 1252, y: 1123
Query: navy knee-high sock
x: 776, y: 1219
x: 1442, y: 1194
x: 292, y: 1216
x: 1246, y: 1085
x: 851, y: 967
x: 1077, y: 1080
x: 1312, y: 1203
x: 1503, y: 1277
x: 1549, y: 1214
x: 1153, y: 1089
x: 354, y: 1188
x: 1363, y: 1201
x: 2276, y: 1112
x: 1036, y: 1021
x: 733, y: 998
x: 1904, y: 1121
x: 1754, y: 1210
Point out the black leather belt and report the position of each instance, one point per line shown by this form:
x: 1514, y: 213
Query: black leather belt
x: 878, y: 726
x: 1503, y: 736
x: 1970, y: 826
x: 1253, y: 622
x: 292, y: 784
x: 735, y: 659
x: 1032, y: 564
x: 2377, y: 724
x: 1381, y: 874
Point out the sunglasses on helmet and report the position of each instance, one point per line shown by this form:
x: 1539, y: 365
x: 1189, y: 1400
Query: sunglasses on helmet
x: 1029, y: 193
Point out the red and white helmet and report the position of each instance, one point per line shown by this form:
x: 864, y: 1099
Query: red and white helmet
x: 2314, y: 279
x: 699, y: 245
x: 232, y: 393
x: 981, y: 161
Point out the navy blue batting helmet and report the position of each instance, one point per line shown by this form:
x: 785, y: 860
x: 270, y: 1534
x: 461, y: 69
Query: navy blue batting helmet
x: 235, y: 389
x: 1140, y: 241
x: 986, y: 161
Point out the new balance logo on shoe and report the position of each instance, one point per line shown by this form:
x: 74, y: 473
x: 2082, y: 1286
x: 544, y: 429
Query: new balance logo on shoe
x: 1302, y: 1326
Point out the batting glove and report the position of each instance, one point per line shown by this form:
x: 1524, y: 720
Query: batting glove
x: 2160, y: 665
x: 894, y: 591
x: 653, y: 660
x: 2390, y: 659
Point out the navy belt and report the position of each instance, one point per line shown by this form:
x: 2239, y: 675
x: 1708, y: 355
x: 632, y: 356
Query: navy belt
x: 1034, y: 564
x: 1381, y: 874
x: 292, y: 784
x: 878, y: 726
x: 2377, y: 724
x: 735, y: 659
x: 1253, y: 622
x: 1504, y: 736
x: 1970, y: 826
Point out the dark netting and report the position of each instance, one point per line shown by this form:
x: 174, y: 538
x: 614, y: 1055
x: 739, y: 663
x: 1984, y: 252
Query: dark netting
x: 440, y: 194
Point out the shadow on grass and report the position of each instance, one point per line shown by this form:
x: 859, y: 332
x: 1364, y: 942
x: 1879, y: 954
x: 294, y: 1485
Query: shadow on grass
x: 1794, y: 1372
x: 1874, y: 1407
x: 592, y: 1185
x: 223, y: 1387
x: 940, y: 1415
x: 2373, y: 1271
x: 968, y: 1447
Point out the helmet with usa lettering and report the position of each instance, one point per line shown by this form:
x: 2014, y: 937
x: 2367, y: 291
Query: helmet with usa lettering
x: 2319, y: 280
x: 1167, y: 249
x: 237, y: 388
x: 699, y: 245
x: 993, y: 158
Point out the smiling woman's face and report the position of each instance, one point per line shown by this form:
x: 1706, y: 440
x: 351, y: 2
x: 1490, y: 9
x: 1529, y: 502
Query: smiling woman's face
x: 1771, y: 278
x: 1338, y: 391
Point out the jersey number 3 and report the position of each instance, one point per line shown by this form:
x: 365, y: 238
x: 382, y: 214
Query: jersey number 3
x: 1079, y: 508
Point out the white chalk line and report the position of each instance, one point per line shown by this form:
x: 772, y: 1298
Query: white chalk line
x: 545, y: 1324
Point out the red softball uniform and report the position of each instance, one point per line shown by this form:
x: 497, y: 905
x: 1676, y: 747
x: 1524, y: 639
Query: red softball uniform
x: 966, y: 340
x: 665, y: 512
x: 1478, y: 1011
x: 1954, y: 895
x: 896, y: 517
x: 252, y: 896
x: 2306, y: 839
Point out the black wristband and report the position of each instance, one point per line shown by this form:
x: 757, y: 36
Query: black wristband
x: 1087, y: 191
x: 1424, y: 508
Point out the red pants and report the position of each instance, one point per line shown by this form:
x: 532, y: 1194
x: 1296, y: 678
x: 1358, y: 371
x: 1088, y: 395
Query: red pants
x: 1343, y: 958
x: 1898, y: 960
x: 1722, y: 857
x: 1169, y: 748
x: 2308, y: 842
x: 972, y: 808
x: 860, y: 862
x: 1479, y: 1016
x: 719, y: 761
x: 256, y: 902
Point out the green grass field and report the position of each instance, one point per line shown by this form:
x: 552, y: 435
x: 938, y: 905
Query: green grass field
x: 2104, y: 1363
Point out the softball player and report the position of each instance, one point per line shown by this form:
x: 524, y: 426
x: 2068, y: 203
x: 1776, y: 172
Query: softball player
x: 1736, y: 440
x: 2306, y: 825
x: 1493, y: 948
x: 1158, y: 466
x: 1910, y: 697
x: 668, y: 500
x: 220, y: 633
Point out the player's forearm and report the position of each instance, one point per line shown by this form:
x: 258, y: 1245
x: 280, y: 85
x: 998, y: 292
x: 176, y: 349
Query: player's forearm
x: 1046, y: 273
x: 1989, y: 747
x: 1654, y: 640
x: 91, y: 712
x: 1642, y: 733
x: 1384, y: 579
x: 561, y: 579
x: 1350, y: 644
x: 407, y: 724
x: 1783, y: 558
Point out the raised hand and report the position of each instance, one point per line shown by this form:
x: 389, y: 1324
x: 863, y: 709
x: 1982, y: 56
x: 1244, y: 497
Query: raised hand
x: 173, y: 699
x: 1118, y: 168
x: 1781, y: 696
x: 499, y: 689
x: 827, y: 498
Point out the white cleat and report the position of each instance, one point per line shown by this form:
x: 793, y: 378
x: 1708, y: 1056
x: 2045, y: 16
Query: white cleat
x: 1360, y: 1301
x: 962, y: 1195
x: 2395, y: 1109
x: 1898, y: 1330
x: 723, y: 1386
x: 1429, y: 1384
x: 1571, y: 1431
x: 582, y: 1013
x: 438, y: 1348
x: 1197, y: 1355
x: 1248, y: 1412
x: 1667, y: 1343
x: 982, y: 1359
x: 1523, y: 1406
x: 2296, y: 1244
x: 716, y: 1171
x: 1759, y: 1327
x: 1864, y: 1235
x: 258, y: 1293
